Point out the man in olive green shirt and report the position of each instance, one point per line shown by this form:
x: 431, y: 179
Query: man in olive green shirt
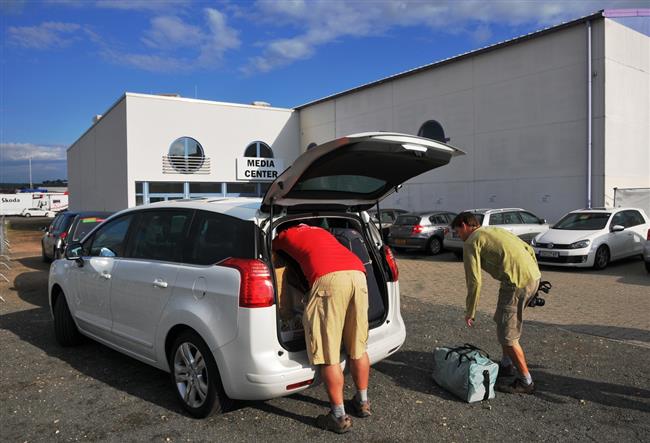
x: 511, y: 261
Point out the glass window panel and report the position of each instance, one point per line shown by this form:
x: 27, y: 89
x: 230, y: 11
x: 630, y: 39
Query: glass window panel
x: 108, y: 241
x: 138, y: 187
x: 161, y: 235
x: 512, y: 218
x: 205, y: 188
x: 496, y: 219
x: 529, y: 218
x: 220, y: 236
x: 356, y: 184
x: 583, y: 221
x: 241, y: 188
x: 156, y: 199
x: 139, y: 200
x: 165, y: 187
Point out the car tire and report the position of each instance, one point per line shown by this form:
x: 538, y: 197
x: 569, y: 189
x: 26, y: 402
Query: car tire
x: 192, y: 366
x: 647, y: 266
x: 601, y: 260
x: 65, y: 329
x: 434, y: 246
x: 27, y: 214
x: 458, y: 255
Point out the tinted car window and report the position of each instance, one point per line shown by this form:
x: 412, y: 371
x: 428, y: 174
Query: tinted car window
x: 108, y: 241
x: 633, y: 218
x: 618, y: 219
x: 529, y: 218
x: 161, y: 235
x: 216, y: 237
x: 438, y: 219
x: 496, y: 219
x: 66, y: 221
x: 512, y: 218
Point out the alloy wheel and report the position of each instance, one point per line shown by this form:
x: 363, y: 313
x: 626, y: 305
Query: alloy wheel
x: 191, y: 375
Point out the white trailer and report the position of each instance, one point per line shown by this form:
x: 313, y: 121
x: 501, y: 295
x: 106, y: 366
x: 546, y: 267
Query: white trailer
x: 13, y: 204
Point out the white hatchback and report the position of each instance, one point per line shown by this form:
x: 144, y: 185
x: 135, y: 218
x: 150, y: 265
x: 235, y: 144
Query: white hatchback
x: 191, y: 287
x: 593, y: 237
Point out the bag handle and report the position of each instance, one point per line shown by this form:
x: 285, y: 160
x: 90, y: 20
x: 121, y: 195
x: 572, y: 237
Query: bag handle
x: 465, y: 349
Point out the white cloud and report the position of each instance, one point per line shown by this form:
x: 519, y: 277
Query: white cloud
x: 168, y: 33
x: 142, y: 5
x: 46, y: 35
x: 323, y: 21
x: 24, y: 151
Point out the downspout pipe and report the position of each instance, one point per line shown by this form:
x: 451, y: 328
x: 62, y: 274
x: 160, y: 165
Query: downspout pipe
x: 589, y: 114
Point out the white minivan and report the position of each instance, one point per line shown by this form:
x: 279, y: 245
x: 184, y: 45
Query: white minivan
x: 191, y: 287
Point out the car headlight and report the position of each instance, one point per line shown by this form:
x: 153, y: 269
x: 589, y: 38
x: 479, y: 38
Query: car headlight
x: 580, y: 244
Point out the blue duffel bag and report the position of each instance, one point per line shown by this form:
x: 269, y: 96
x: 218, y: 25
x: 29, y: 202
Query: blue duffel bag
x: 465, y: 371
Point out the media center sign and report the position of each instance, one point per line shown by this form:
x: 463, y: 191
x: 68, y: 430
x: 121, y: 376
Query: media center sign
x: 259, y: 169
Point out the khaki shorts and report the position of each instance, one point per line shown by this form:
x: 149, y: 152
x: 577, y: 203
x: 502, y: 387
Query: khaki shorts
x: 337, y: 310
x: 510, y: 309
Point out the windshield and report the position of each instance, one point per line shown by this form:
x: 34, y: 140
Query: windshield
x: 583, y: 221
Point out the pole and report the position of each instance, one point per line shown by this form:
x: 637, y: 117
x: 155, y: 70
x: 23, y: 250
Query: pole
x: 30, y: 174
x: 589, y: 116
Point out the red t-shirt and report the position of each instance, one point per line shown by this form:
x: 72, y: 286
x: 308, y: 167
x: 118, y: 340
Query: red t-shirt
x: 317, y: 251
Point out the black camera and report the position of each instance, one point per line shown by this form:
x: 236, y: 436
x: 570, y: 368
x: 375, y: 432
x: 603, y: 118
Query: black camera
x: 537, y: 300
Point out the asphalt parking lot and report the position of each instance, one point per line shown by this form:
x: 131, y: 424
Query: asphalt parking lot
x: 589, y: 350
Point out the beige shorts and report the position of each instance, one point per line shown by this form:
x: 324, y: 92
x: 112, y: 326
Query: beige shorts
x: 337, y: 310
x: 510, y: 310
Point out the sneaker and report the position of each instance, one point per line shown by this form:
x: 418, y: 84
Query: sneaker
x: 516, y: 387
x: 360, y: 409
x: 329, y: 422
x: 507, y: 371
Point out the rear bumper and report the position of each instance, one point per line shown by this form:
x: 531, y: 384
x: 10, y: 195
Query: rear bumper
x: 256, y: 367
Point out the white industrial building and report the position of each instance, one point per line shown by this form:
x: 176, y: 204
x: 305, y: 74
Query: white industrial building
x: 551, y: 121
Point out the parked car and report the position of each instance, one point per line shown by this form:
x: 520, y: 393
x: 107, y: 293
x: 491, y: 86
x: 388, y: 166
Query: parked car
x: 37, y: 212
x: 593, y: 237
x: 520, y: 222
x: 82, y: 224
x: 388, y: 217
x: 424, y: 231
x: 190, y: 286
x: 52, y: 237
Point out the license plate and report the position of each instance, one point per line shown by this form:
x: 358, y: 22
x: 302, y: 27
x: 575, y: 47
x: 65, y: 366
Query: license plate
x: 553, y: 254
x: 400, y: 241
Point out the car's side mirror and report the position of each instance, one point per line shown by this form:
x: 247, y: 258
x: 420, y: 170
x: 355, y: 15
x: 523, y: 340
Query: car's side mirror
x: 74, y: 251
x: 542, y: 221
x: 617, y: 228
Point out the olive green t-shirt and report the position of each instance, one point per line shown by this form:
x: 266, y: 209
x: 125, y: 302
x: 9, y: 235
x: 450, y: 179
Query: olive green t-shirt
x: 501, y: 254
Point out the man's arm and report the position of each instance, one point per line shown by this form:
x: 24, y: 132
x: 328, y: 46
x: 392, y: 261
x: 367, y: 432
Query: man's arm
x: 472, y: 263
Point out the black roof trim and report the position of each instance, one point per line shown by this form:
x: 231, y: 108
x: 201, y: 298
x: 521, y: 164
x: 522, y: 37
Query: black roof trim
x: 596, y: 15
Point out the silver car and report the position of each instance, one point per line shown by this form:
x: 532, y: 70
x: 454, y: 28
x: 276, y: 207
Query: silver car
x: 520, y: 222
x: 423, y: 231
x: 191, y: 286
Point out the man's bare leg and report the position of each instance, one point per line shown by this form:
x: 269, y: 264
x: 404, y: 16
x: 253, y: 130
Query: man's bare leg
x: 360, y: 370
x: 333, y: 378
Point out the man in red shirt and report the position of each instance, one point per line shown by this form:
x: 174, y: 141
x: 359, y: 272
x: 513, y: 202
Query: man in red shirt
x: 337, y: 310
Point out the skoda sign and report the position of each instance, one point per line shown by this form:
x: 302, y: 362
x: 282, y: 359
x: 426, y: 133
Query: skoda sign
x: 259, y: 169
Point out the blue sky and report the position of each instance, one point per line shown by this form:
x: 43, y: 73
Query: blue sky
x: 63, y: 61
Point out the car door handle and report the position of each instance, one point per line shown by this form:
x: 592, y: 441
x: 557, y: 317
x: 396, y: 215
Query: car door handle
x: 158, y: 283
x: 105, y: 275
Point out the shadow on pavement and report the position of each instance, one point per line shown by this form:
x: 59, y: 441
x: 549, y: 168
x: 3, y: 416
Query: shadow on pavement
x: 408, y: 370
x: 628, y: 270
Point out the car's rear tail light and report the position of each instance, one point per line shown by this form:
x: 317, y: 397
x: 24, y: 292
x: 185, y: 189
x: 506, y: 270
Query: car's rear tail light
x: 300, y: 384
x: 647, y: 237
x: 256, y: 288
x: 446, y: 231
x: 392, y: 264
x: 63, y: 235
x: 417, y: 229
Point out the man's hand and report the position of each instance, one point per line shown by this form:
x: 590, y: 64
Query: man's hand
x: 469, y: 321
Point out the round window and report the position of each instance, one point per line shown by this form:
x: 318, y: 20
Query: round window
x: 258, y: 149
x: 186, y: 155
